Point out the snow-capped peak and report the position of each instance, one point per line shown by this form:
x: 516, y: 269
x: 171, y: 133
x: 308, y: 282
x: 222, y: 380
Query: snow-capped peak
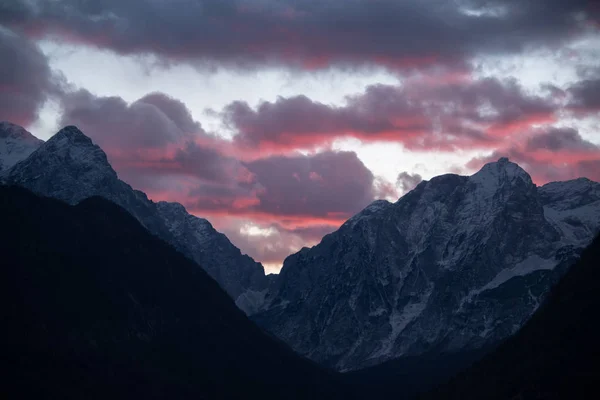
x: 70, y: 167
x: 16, y: 144
x: 493, y: 175
x: 71, y: 136
x: 8, y: 129
x: 72, y: 146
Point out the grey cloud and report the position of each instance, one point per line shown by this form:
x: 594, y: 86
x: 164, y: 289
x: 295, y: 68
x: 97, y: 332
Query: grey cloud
x: 151, y: 122
x: 416, y: 114
x: 407, y: 181
x: 26, y: 80
x: 307, y: 34
x: 328, y: 184
x: 557, y: 139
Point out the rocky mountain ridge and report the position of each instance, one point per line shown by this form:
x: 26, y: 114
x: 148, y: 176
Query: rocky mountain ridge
x: 71, y: 168
x: 459, y: 263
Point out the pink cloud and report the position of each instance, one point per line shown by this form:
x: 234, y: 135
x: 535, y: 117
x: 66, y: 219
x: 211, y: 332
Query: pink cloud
x: 420, y: 114
x: 155, y: 145
x: 551, y: 154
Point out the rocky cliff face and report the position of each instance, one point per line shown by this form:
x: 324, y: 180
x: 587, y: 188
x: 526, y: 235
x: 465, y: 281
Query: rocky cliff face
x: 458, y: 263
x: 70, y: 167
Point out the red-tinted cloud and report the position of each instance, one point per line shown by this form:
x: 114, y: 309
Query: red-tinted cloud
x: 552, y: 154
x: 419, y: 114
x: 156, y: 146
x: 306, y: 34
x: 298, y: 199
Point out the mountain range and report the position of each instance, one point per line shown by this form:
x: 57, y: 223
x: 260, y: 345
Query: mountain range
x: 70, y: 167
x: 455, y: 266
x: 458, y: 264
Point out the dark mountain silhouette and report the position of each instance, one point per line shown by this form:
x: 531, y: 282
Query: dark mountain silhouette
x: 97, y: 307
x: 410, y: 375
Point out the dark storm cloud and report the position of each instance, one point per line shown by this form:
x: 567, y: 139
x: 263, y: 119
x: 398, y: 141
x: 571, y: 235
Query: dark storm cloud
x: 26, y: 80
x: 307, y: 34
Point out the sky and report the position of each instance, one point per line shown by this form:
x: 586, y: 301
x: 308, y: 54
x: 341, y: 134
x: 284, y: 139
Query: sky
x: 277, y: 120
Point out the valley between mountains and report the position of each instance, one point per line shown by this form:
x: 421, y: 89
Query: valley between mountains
x: 106, y: 282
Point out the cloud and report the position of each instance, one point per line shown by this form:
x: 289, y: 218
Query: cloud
x: 551, y: 154
x: 156, y: 146
x: 153, y: 142
x: 407, y: 182
x: 307, y: 34
x: 26, y: 80
x: 152, y: 122
x: 291, y: 201
x: 419, y: 114
x: 559, y: 139
x: 585, y: 95
x: 344, y: 185
x: 272, y: 243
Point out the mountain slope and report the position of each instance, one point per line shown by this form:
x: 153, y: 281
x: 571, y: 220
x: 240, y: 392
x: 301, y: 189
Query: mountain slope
x: 96, y: 307
x: 70, y: 167
x: 457, y: 264
x: 554, y: 356
x: 573, y: 207
x: 16, y: 144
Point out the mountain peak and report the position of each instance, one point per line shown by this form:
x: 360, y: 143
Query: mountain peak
x: 16, y: 144
x: 72, y: 143
x: 8, y: 129
x: 73, y: 136
x: 69, y: 157
x: 494, y: 174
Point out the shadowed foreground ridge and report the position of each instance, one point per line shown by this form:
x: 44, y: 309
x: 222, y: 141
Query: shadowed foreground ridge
x: 97, y: 307
x: 556, y: 354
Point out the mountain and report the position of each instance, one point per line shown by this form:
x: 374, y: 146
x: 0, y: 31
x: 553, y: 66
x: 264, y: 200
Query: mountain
x: 221, y: 259
x: 457, y: 264
x: 96, y: 307
x: 70, y: 167
x: 554, y: 356
x: 16, y: 144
